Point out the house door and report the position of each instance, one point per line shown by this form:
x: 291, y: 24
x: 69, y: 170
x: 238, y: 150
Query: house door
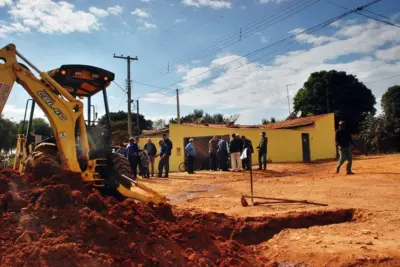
x: 305, y: 139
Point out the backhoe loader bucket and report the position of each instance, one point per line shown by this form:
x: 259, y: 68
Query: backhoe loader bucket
x: 140, y: 192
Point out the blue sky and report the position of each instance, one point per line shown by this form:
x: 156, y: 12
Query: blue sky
x: 180, y: 33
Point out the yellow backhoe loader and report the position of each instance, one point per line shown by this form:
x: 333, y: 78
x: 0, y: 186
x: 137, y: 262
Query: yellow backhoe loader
x: 77, y: 144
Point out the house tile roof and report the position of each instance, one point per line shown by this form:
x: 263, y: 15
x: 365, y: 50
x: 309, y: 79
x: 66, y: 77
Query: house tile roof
x: 288, y: 124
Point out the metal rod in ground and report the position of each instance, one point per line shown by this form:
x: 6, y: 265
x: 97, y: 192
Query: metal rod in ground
x: 288, y: 200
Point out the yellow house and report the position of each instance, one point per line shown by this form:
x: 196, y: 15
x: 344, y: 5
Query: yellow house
x: 298, y: 140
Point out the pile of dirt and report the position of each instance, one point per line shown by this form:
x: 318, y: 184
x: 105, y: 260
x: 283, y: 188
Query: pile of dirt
x: 61, y: 221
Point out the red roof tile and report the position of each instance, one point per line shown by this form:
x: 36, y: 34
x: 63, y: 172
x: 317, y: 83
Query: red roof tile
x: 288, y: 124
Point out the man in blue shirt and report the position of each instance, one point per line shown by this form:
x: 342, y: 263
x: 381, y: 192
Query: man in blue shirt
x: 133, y: 152
x: 164, y: 159
x: 191, y: 156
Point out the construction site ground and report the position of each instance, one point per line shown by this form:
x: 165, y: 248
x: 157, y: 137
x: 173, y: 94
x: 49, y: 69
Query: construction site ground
x: 359, y: 227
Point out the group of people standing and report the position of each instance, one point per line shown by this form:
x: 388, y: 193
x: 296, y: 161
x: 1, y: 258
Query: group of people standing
x: 143, y: 159
x: 239, y: 149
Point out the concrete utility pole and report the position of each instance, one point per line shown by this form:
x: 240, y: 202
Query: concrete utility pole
x: 129, y: 89
x: 177, y: 107
x: 287, y: 91
x: 137, y: 117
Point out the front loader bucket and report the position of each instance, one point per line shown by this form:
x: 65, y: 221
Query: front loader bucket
x: 141, y: 192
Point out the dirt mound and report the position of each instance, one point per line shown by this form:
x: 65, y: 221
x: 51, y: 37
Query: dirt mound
x: 60, y: 221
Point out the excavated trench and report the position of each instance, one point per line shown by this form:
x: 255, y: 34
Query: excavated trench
x: 60, y: 221
x: 256, y: 230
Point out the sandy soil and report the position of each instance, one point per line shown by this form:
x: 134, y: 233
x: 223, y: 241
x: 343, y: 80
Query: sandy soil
x: 370, y: 237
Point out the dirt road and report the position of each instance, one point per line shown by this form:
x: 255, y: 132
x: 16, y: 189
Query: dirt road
x: 369, y: 236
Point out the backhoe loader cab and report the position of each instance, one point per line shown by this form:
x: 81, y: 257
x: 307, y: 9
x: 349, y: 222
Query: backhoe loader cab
x: 83, y: 81
x: 58, y: 93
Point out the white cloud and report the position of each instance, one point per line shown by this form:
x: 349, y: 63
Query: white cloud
x: 5, y: 2
x: 6, y: 28
x: 140, y: 13
x: 178, y: 20
x: 258, y: 87
x: 115, y: 10
x: 216, y: 4
x: 48, y: 16
x: 53, y: 17
x: 262, y: 37
x: 149, y: 25
x: 311, y: 39
x: 98, y: 12
x: 145, y: 1
x: 271, y: 1
x: 15, y: 113
x: 392, y: 53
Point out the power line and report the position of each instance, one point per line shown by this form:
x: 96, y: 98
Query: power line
x: 294, y: 36
x: 234, y: 37
x: 379, y: 15
x: 363, y: 13
x: 120, y: 87
x: 387, y: 78
x: 379, y: 20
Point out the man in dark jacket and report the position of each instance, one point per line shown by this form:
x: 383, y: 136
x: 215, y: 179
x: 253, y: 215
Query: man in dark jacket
x: 212, y: 153
x: 164, y: 159
x: 262, y: 151
x: 344, y: 143
x: 151, y: 149
x: 249, y: 146
x: 167, y: 149
x: 133, y: 152
x: 223, y: 154
x: 235, y: 149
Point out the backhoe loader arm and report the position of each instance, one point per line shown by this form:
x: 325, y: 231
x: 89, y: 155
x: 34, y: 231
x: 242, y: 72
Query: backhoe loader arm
x: 61, y: 108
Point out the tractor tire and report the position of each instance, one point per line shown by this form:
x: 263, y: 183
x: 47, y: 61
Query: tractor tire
x: 112, y: 173
x: 120, y: 166
x: 42, y: 165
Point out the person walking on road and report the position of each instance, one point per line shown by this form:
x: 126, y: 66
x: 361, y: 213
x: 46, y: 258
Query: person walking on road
x: 262, y: 151
x: 151, y: 149
x: 212, y: 153
x: 234, y: 149
x: 223, y: 154
x: 344, y: 142
x: 191, y: 156
x: 133, y: 156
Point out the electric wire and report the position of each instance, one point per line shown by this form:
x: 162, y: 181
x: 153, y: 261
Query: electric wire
x: 304, y: 32
x: 236, y: 36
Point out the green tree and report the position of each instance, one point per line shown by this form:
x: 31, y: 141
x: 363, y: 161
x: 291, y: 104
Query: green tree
x: 376, y: 129
x: 198, y: 116
x: 40, y: 125
x: 337, y: 92
x: 122, y: 118
x: 390, y: 102
x: 8, y: 134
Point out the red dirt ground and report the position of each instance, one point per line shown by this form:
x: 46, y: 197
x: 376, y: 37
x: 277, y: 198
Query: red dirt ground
x: 60, y: 221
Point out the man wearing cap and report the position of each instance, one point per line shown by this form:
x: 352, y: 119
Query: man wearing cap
x: 191, y: 156
x: 262, y: 151
x: 344, y: 142
x: 133, y: 152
